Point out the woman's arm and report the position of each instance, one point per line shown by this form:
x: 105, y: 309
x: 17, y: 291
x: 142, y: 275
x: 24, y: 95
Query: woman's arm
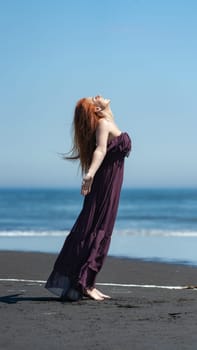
x: 102, y: 133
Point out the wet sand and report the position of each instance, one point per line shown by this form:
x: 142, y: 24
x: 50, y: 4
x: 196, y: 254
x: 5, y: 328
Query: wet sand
x: 135, y: 317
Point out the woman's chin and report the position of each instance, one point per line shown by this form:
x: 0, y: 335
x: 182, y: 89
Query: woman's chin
x: 107, y: 102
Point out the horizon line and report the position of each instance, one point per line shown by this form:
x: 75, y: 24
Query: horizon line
x: 31, y: 187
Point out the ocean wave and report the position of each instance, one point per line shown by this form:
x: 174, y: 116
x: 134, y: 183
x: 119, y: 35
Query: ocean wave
x: 33, y: 233
x: 156, y: 233
x: 120, y: 232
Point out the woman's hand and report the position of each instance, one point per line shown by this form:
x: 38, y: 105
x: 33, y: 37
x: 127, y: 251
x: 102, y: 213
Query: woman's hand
x: 86, y: 184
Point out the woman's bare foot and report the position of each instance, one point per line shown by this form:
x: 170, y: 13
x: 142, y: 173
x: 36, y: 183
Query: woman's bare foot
x: 92, y: 293
x: 102, y: 295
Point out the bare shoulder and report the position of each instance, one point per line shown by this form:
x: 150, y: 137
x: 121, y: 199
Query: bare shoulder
x: 113, y: 129
x: 102, y: 132
x: 103, y: 127
x: 106, y: 130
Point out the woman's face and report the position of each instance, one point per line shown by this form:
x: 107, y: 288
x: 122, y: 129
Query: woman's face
x: 100, y: 101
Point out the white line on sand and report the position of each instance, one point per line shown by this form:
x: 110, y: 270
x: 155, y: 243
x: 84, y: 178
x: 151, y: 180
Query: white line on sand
x: 20, y: 280
x: 106, y: 284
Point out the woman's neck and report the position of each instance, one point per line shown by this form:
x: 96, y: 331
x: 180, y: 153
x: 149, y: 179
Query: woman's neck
x: 107, y: 114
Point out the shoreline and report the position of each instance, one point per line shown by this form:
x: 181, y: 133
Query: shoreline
x: 155, y: 260
x: 162, y: 249
x: 43, y: 262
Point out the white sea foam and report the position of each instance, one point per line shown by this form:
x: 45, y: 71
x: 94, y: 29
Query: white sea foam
x: 119, y: 232
x: 156, y: 233
x: 33, y: 233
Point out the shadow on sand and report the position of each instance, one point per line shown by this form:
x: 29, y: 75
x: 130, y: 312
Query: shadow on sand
x: 15, y: 298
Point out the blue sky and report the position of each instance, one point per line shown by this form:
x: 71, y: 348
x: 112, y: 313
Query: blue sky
x: 141, y: 54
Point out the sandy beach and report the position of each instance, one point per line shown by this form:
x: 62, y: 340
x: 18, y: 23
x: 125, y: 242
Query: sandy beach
x: 137, y: 316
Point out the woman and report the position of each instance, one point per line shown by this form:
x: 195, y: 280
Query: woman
x: 101, y: 147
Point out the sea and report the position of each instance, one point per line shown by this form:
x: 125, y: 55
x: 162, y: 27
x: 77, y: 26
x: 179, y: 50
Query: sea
x: 152, y: 224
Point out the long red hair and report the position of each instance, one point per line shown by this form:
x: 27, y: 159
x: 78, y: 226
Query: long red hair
x: 84, y: 133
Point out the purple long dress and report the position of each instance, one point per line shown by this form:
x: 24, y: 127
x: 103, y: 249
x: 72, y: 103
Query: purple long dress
x: 86, y: 246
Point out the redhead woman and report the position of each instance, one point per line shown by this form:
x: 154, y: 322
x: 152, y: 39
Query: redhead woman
x: 101, y: 148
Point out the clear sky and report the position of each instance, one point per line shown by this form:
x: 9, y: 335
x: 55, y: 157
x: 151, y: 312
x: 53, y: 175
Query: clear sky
x: 140, y: 53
